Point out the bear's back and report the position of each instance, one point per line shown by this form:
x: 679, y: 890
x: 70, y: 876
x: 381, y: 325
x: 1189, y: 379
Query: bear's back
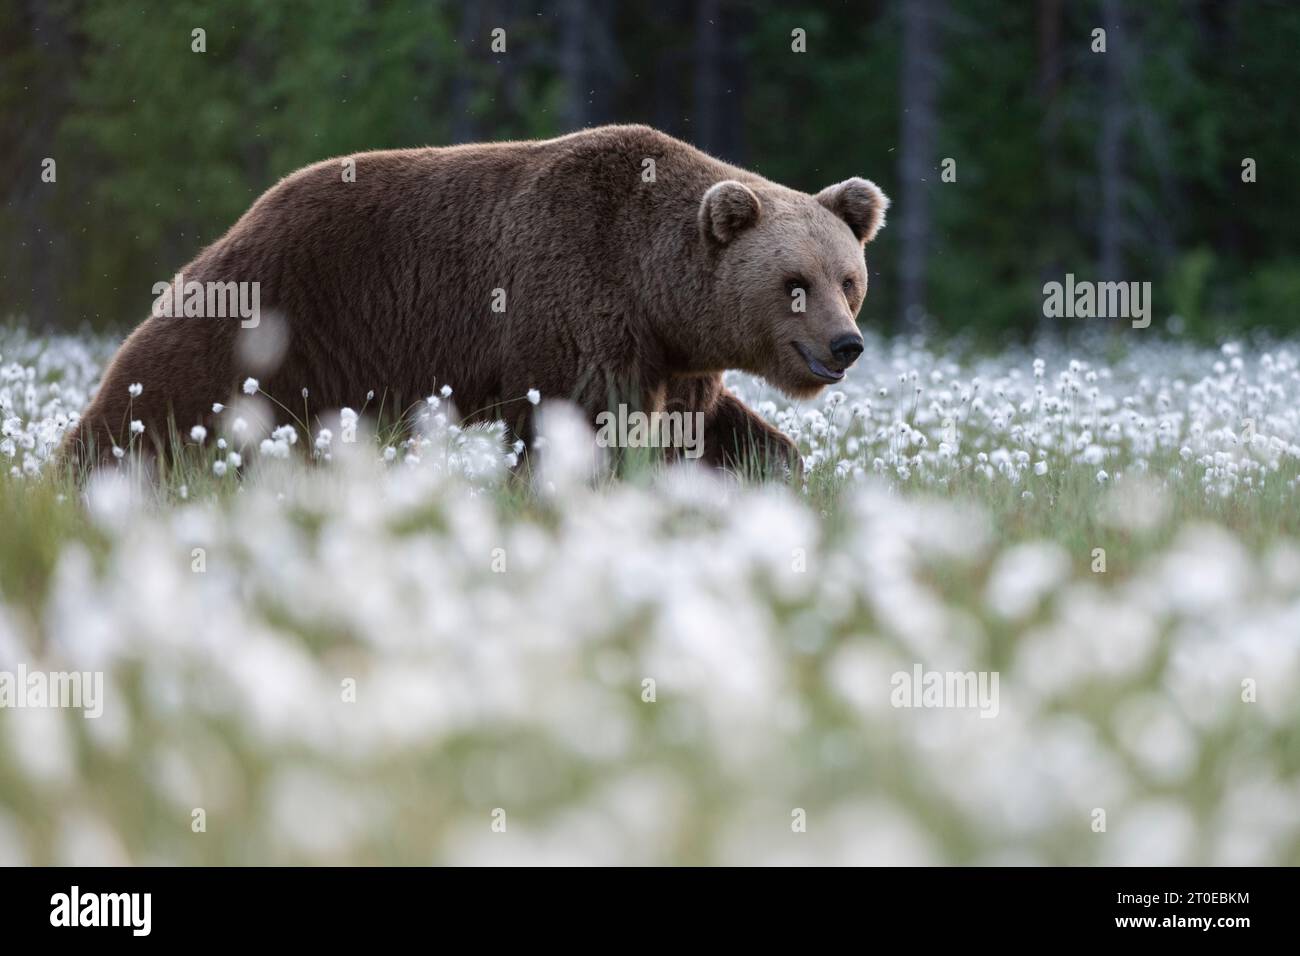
x: 481, y: 266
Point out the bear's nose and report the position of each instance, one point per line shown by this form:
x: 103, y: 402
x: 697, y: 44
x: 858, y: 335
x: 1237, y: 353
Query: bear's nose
x: 847, y: 348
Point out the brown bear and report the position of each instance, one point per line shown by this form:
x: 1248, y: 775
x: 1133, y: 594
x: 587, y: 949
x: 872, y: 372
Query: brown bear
x: 616, y: 264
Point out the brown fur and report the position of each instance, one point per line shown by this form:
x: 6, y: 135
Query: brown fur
x: 615, y: 288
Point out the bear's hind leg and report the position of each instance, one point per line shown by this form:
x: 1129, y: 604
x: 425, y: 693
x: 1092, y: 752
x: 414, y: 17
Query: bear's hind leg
x: 178, y: 377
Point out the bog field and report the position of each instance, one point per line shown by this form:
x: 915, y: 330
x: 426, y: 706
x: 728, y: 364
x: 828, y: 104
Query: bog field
x: 1041, y: 606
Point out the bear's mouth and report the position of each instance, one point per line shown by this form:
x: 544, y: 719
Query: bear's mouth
x: 818, y: 368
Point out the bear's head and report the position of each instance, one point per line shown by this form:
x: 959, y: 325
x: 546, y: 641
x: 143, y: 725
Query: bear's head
x: 790, y: 267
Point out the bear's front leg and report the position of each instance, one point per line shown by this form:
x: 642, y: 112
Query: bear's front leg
x: 738, y: 439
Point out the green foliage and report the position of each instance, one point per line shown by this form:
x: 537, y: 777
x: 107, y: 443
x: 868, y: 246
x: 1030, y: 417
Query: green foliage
x: 1273, y: 293
x: 160, y: 149
x: 1188, y: 281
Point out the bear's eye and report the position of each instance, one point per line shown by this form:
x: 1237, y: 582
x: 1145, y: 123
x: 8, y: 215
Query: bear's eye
x: 848, y: 285
x: 795, y: 285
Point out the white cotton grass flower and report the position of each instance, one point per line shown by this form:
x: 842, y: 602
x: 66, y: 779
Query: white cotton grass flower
x: 218, y: 408
x: 445, y: 391
x: 1023, y: 576
x: 568, y: 455
x: 137, y: 427
x: 1116, y: 687
x: 135, y: 390
x: 274, y: 448
x: 534, y: 396
x: 1135, y: 504
x: 198, y: 434
x: 114, y: 500
x: 251, y: 386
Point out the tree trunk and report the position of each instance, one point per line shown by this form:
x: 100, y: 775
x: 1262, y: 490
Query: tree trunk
x: 918, y: 85
x: 665, y: 92
x: 708, y: 67
x: 573, y: 64
x: 739, y: 21
x: 468, y: 39
x: 1110, y: 146
x: 1050, y: 70
x: 44, y: 250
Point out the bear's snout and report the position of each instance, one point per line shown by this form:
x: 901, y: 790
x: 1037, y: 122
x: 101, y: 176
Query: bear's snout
x: 846, y: 348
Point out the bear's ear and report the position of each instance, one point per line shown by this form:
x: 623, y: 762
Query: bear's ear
x: 728, y: 209
x: 860, y: 203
